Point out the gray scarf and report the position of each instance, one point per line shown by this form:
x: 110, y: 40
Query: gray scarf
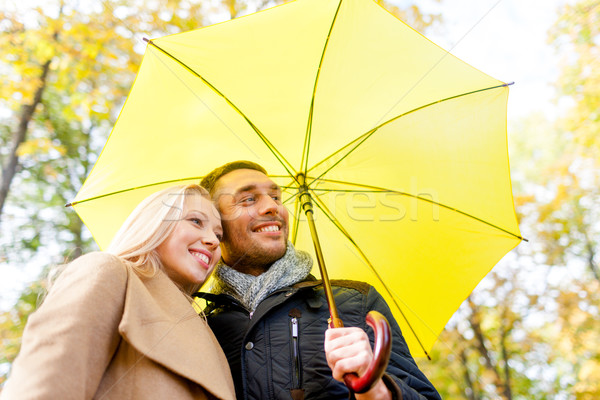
x: 250, y: 290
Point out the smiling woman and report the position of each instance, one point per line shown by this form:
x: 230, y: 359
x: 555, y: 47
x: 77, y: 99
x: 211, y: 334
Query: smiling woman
x: 191, y: 251
x: 119, y: 324
x: 170, y: 229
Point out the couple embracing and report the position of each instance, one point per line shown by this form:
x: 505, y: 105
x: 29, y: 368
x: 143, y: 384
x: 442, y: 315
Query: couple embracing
x: 119, y: 325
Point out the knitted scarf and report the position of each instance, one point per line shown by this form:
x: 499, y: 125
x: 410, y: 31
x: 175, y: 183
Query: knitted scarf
x: 250, y: 290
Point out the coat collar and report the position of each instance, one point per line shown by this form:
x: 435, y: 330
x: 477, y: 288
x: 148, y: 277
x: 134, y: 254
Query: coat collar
x: 161, y: 324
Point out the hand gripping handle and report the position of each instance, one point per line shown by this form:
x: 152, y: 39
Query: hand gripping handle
x: 381, y: 355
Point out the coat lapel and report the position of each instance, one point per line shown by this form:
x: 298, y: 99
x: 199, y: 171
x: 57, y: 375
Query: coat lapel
x: 162, y: 325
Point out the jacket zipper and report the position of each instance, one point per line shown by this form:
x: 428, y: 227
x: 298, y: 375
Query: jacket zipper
x: 295, y: 355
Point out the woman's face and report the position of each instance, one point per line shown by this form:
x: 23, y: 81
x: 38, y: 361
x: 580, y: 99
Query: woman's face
x: 191, y: 251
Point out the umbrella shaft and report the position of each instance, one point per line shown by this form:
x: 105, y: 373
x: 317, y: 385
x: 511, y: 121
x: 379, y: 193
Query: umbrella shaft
x: 335, y: 321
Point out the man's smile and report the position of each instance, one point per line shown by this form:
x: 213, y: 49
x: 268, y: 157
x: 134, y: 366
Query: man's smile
x: 269, y: 227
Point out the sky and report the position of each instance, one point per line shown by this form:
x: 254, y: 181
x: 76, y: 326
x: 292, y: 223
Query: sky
x: 507, y: 39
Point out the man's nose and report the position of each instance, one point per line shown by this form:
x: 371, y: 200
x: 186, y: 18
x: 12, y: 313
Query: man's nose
x: 268, y: 206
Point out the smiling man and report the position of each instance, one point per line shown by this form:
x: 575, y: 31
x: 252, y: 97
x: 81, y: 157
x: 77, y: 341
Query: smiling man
x: 270, y: 315
x: 256, y: 220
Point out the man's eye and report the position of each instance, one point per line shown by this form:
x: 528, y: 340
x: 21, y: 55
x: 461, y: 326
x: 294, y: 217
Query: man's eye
x: 248, y: 199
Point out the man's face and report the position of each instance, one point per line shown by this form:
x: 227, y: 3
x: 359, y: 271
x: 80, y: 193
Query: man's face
x: 254, y: 220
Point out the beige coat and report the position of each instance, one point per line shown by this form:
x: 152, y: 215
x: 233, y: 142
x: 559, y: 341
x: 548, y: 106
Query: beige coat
x: 105, y: 333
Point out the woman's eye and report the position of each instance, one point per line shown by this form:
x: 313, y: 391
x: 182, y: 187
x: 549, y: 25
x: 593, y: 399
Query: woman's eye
x: 197, y: 221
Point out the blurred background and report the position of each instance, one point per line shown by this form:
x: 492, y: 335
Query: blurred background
x: 530, y: 330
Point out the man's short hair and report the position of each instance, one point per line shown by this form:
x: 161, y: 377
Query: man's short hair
x: 213, y: 176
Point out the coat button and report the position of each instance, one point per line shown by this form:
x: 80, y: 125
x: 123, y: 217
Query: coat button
x: 249, y: 346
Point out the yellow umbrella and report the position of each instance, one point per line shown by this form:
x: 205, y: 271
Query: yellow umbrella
x: 400, y: 145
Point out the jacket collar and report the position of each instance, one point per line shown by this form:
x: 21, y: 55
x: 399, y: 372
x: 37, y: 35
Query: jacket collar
x: 279, y: 296
x: 161, y: 324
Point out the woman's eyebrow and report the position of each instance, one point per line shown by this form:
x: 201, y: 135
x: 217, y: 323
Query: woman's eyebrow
x: 195, y: 211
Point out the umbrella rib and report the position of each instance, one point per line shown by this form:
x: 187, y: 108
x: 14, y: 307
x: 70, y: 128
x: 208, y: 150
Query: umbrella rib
x: 199, y: 178
x: 339, y: 226
x: 288, y: 167
x: 307, y: 137
x: 362, y: 138
x: 296, y: 221
x: 376, y: 189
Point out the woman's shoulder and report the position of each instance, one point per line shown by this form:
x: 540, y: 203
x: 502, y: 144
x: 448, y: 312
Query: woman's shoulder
x: 96, y: 258
x: 96, y: 265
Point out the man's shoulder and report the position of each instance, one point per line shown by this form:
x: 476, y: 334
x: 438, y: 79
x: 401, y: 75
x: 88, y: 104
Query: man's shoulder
x: 362, y: 287
x: 359, y: 286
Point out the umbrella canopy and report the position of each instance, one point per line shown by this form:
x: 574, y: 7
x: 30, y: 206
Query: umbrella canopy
x: 402, y: 145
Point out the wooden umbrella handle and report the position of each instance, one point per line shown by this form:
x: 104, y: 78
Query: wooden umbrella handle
x: 381, y: 355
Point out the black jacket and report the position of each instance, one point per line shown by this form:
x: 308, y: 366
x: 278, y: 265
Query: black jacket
x: 278, y: 351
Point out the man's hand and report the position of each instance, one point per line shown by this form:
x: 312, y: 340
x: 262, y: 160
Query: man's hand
x: 348, y: 350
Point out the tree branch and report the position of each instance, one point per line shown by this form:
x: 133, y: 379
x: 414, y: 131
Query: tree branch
x: 504, y: 331
x: 10, y: 168
x: 471, y: 390
x: 475, y: 323
x: 591, y: 254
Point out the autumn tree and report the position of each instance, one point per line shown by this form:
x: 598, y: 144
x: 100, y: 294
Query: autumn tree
x: 577, y: 37
x: 494, y: 345
x: 572, y: 216
x: 68, y: 71
x: 531, y: 330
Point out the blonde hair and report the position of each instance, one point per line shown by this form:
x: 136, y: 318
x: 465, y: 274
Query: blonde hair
x: 148, y: 225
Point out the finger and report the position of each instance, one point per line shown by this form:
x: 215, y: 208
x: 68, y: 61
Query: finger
x: 333, y: 333
x: 347, y: 347
x: 356, y: 363
x: 347, y: 351
x: 340, y: 337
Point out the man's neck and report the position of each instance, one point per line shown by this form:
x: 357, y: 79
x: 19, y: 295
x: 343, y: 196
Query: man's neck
x: 248, y: 268
x: 253, y: 270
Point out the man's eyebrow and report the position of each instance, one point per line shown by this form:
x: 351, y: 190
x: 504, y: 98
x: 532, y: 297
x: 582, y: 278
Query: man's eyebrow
x: 251, y: 187
x: 246, y: 188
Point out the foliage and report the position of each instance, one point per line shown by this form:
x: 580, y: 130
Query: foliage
x: 92, y: 59
x: 12, y: 322
x: 538, y: 315
x: 576, y: 36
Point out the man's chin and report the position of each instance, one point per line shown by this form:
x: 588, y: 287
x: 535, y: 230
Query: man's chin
x: 273, y: 251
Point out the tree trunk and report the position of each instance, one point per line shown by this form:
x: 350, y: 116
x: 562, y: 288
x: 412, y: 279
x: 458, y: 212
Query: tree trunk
x: 591, y: 254
x: 504, y: 333
x: 9, y: 169
x: 471, y: 391
x: 76, y: 180
x: 475, y: 323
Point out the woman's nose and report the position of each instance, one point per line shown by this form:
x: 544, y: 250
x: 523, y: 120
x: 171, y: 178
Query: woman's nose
x: 210, y: 239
